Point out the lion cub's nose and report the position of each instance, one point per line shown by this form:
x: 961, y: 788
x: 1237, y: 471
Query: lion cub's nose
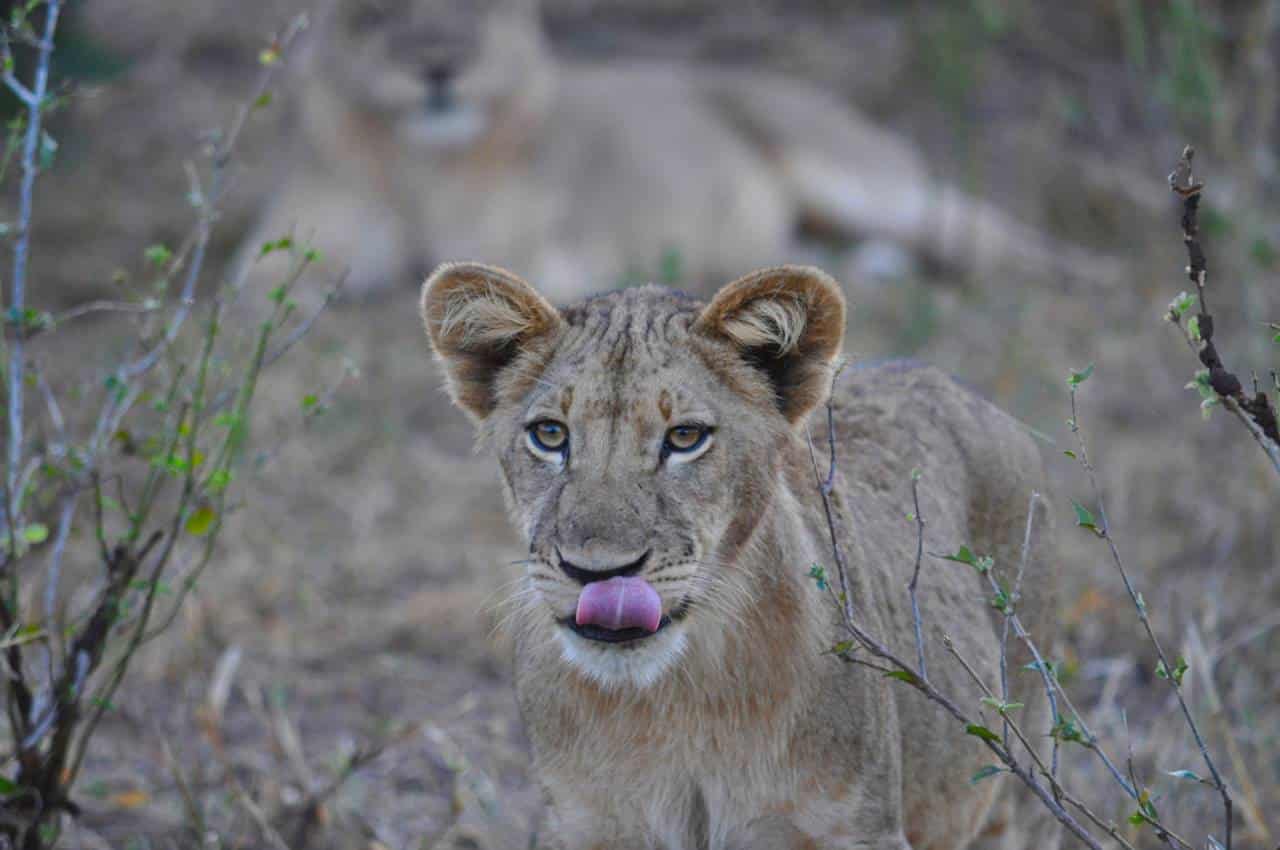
x: 587, y: 565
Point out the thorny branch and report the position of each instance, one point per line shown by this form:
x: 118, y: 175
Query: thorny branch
x: 1256, y: 412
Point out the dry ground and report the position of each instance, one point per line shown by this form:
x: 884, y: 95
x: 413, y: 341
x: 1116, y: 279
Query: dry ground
x: 353, y: 602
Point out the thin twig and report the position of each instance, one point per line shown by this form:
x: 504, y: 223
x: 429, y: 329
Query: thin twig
x: 34, y: 100
x: 1104, y: 531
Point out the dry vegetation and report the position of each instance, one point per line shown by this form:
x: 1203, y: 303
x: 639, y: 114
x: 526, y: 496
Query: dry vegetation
x: 333, y: 681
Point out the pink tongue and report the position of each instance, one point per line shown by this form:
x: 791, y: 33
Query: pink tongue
x: 622, y: 602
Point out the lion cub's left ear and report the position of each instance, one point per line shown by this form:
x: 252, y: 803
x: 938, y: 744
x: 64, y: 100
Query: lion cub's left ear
x: 479, y: 319
x: 788, y: 322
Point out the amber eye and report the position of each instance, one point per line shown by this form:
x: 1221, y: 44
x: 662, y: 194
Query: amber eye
x: 549, y: 436
x: 686, y: 438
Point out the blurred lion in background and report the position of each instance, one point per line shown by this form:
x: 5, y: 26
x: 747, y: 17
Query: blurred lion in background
x: 447, y: 127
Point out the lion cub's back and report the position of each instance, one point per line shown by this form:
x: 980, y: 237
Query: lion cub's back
x: 979, y: 466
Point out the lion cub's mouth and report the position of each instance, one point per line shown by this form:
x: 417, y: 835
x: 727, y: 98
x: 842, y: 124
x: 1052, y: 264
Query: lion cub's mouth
x: 622, y: 609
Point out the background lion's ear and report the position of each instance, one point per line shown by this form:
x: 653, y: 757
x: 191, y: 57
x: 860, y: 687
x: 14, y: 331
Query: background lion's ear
x: 479, y: 318
x: 788, y: 322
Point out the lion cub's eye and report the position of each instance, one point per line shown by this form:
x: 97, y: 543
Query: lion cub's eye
x: 549, y: 436
x: 686, y: 438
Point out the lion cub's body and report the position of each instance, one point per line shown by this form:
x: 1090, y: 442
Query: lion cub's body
x: 732, y: 726
x: 761, y: 740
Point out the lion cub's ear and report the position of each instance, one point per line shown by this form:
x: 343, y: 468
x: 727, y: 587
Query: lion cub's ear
x: 479, y: 318
x: 788, y: 322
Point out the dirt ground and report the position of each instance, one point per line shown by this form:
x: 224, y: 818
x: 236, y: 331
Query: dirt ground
x: 354, y: 599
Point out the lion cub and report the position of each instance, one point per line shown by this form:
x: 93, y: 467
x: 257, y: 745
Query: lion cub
x: 433, y: 128
x: 671, y: 663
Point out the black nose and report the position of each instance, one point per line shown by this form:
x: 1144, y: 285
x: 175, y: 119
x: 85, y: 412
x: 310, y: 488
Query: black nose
x: 438, y: 74
x: 586, y: 575
x: 439, y: 95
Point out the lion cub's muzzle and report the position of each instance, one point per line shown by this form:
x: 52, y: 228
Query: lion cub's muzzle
x: 615, y: 605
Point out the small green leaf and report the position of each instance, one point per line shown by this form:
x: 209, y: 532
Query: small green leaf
x: 1070, y: 454
x: 1179, y: 670
x: 1085, y: 518
x: 1001, y: 707
x: 1193, y: 327
x: 48, y: 149
x: 1049, y: 667
x: 986, y: 773
x: 263, y: 100
x: 1186, y: 774
x: 35, y: 533
x: 819, y: 576
x: 1067, y: 731
x: 963, y: 555
x: 309, y: 401
x: 157, y: 255
x: 1181, y: 304
x: 7, y: 786
x: 841, y: 648
x: 903, y: 676
x: 982, y: 732
x: 1079, y: 377
x: 201, y: 521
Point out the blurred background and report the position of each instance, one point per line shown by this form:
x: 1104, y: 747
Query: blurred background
x: 355, y: 596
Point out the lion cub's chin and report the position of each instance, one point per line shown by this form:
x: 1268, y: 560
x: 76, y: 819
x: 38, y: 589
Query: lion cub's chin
x: 613, y: 666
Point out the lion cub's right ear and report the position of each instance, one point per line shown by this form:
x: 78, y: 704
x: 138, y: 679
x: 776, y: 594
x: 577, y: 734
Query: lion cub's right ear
x: 479, y: 318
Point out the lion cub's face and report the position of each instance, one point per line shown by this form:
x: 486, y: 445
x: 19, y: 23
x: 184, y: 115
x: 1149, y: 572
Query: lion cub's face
x: 437, y: 71
x: 639, y: 436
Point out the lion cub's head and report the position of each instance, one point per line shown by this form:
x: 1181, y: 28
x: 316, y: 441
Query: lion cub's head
x: 641, y: 438
x: 438, y: 73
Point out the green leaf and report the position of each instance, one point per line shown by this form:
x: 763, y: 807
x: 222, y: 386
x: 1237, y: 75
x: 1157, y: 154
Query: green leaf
x: 1085, y: 518
x: 1179, y: 670
x: 1079, y: 377
x: 1180, y: 305
x: 903, y: 676
x: 201, y: 521
x: 1049, y: 667
x: 1067, y: 731
x: 1193, y: 327
x: 37, y: 532
x: 1070, y: 454
x: 7, y: 786
x: 841, y: 648
x: 309, y: 401
x: 157, y: 255
x: 1002, y: 602
x: 963, y: 555
x: 819, y: 576
x: 48, y: 149
x: 1001, y: 707
x: 982, y: 732
x: 1186, y: 774
x: 263, y: 100
x: 986, y: 773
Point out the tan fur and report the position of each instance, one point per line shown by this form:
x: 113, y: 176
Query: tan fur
x: 584, y: 175
x: 732, y: 727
